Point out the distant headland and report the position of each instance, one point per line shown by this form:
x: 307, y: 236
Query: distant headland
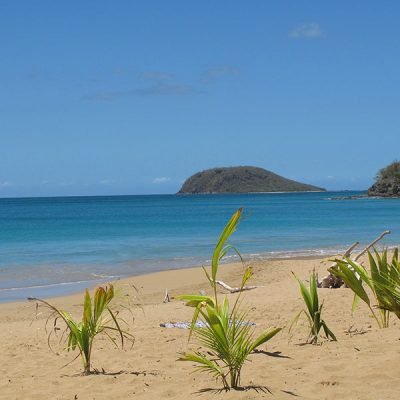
x: 387, y: 182
x: 243, y: 179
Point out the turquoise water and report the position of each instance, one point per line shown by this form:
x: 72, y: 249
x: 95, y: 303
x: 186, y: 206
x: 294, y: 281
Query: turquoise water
x: 52, y: 246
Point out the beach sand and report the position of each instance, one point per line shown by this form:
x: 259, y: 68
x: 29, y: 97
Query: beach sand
x: 362, y: 364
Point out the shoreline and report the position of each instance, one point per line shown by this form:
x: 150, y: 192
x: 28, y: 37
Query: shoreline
x: 149, y: 370
x: 48, y: 291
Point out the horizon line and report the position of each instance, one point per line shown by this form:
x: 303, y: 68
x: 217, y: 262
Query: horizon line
x: 174, y: 194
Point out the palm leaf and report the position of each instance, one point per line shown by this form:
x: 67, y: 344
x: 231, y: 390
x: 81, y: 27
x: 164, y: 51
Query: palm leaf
x: 383, y: 279
x: 87, y: 308
x: 193, y: 300
x: 264, y: 337
x: 347, y: 274
x: 328, y: 332
x: 226, y: 336
x: 313, y: 310
x: 81, y: 334
x: 205, y: 364
x: 306, y: 295
x: 226, y: 233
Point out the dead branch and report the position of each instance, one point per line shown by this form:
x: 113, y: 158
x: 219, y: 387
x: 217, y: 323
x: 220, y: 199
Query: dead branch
x: 167, y: 299
x: 372, y: 244
x: 347, y: 253
x: 350, y: 249
x: 332, y: 281
x: 236, y: 289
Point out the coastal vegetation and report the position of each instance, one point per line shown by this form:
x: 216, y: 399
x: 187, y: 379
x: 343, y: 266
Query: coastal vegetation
x: 313, y: 311
x: 97, y: 318
x: 242, y: 179
x: 383, y: 280
x: 387, y: 183
x: 225, y: 333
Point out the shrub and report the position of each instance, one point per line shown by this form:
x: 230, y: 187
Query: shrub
x: 226, y: 333
x: 392, y: 171
x: 97, y: 318
x: 383, y: 280
x: 312, y: 311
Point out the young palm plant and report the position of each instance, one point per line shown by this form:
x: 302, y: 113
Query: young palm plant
x: 312, y: 311
x: 97, y: 318
x: 383, y: 281
x: 225, y: 333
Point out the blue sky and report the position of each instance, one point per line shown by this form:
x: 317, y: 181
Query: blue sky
x: 132, y: 97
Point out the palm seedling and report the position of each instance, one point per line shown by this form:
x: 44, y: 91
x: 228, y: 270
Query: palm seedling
x: 97, y: 318
x: 226, y: 333
x: 383, y: 280
x: 312, y: 311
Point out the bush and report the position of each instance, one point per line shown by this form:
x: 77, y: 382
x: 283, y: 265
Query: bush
x: 392, y: 171
x: 312, y: 311
x: 383, y: 280
x: 97, y: 318
x: 226, y: 333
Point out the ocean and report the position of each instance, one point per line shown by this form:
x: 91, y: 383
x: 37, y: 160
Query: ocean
x: 55, y: 246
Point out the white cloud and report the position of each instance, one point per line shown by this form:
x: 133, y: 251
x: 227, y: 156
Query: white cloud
x: 307, y: 31
x: 4, y: 184
x: 161, y: 179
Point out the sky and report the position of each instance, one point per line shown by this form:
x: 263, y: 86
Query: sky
x: 133, y: 97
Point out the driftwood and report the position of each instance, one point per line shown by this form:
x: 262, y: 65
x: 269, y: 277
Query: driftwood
x: 167, y: 299
x: 332, y: 281
x: 371, y: 244
x: 235, y: 289
x: 350, y: 249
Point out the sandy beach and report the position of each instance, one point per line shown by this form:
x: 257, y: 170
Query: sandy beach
x: 362, y: 364
x: 142, y: 140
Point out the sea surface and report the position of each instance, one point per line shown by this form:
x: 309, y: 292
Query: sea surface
x: 55, y: 246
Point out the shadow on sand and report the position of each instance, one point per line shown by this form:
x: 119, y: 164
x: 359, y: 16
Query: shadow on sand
x: 116, y: 373
x: 258, y: 389
x: 277, y: 354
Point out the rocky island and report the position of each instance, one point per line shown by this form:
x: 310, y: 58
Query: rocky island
x: 387, y: 182
x: 242, y: 180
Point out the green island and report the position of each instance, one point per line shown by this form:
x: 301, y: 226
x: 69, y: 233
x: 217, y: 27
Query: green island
x: 242, y: 179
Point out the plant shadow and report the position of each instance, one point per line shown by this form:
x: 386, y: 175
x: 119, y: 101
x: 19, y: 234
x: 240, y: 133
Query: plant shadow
x: 256, y: 388
x: 277, y: 354
x: 116, y: 373
x: 290, y: 393
x: 122, y: 372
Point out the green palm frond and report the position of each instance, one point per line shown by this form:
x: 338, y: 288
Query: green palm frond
x: 81, y: 334
x: 383, y: 281
x: 193, y: 300
x: 313, y: 311
x: 226, y: 334
x: 220, y: 249
x: 229, y: 339
x: 203, y: 364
